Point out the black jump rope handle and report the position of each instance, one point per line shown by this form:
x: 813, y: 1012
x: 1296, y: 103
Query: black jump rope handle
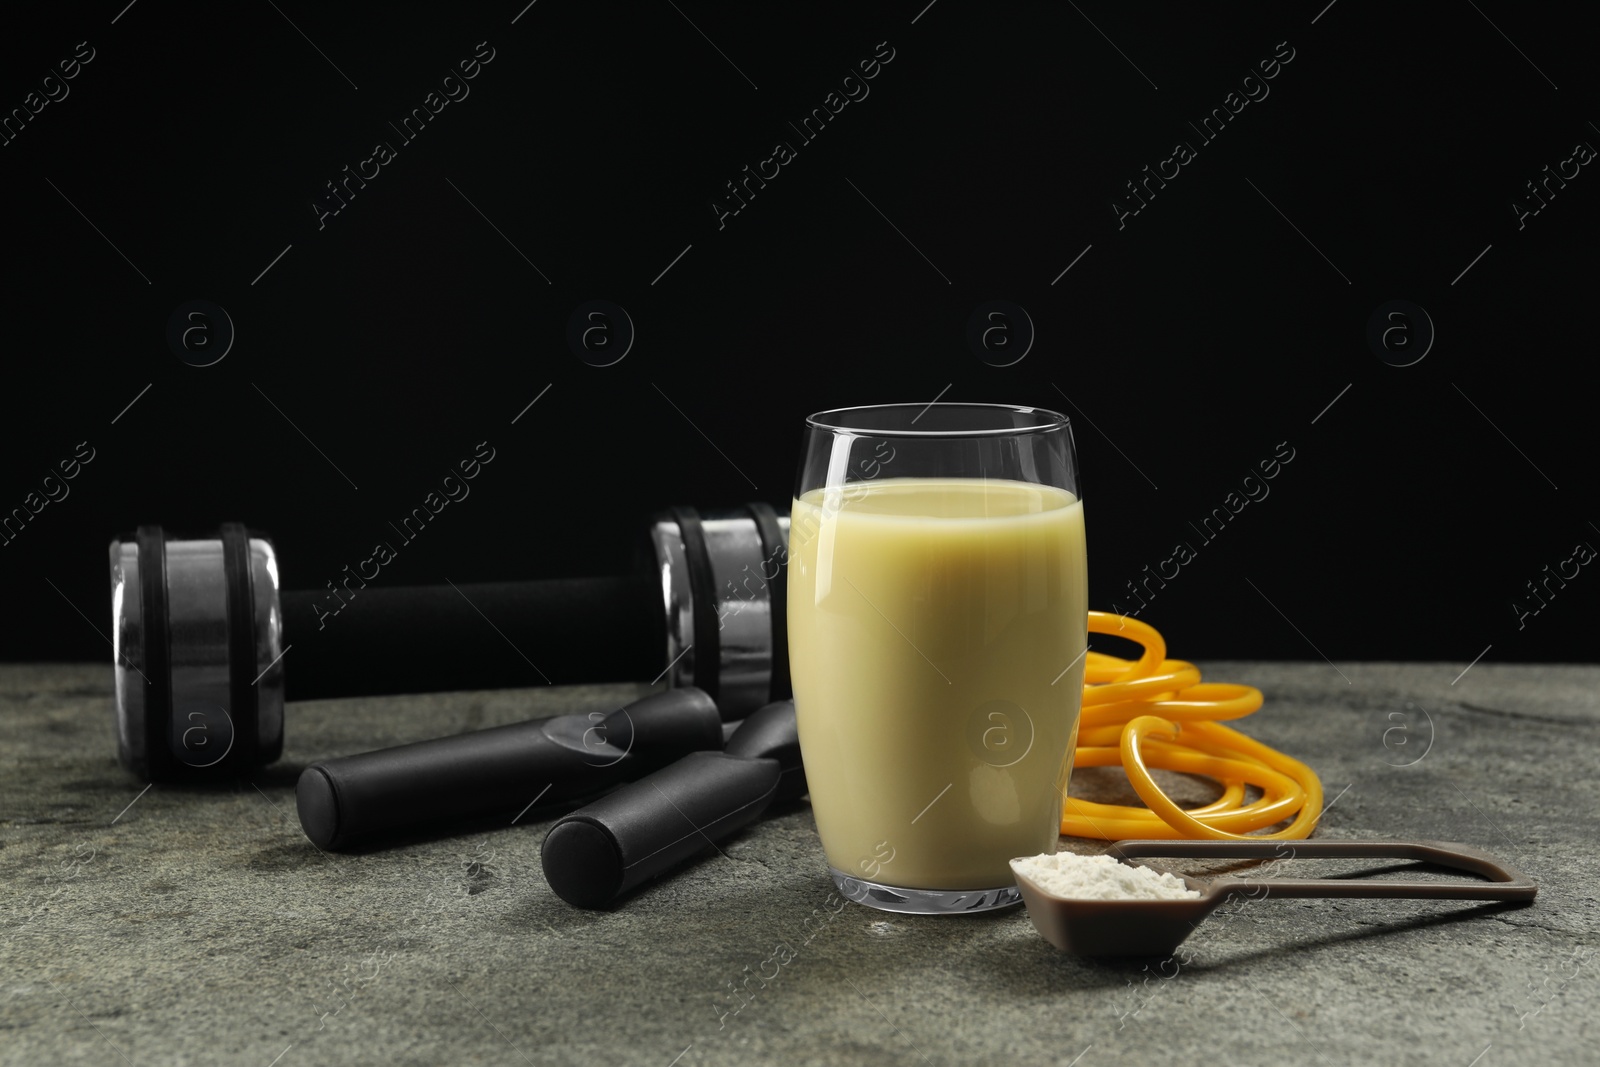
x: 354, y: 799
x: 686, y: 790
x: 649, y: 826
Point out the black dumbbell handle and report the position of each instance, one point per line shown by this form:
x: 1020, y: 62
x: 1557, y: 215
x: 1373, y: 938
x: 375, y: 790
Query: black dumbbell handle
x: 414, y: 639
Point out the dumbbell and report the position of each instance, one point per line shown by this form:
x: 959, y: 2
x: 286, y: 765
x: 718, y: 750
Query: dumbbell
x: 201, y: 630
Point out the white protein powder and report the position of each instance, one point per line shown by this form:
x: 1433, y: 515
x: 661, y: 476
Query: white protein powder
x: 1074, y: 877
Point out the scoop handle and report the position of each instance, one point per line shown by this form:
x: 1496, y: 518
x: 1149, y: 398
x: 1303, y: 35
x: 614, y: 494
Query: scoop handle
x: 1504, y: 881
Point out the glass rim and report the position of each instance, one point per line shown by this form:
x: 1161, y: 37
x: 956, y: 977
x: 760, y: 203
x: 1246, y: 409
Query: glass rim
x: 1054, y: 420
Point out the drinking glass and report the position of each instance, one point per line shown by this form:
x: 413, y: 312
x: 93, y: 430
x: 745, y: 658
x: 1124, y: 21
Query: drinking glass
x: 937, y: 623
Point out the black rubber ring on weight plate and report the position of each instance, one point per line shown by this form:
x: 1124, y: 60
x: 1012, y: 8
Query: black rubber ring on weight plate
x: 703, y: 588
x: 157, y: 646
x: 773, y: 547
x: 242, y: 692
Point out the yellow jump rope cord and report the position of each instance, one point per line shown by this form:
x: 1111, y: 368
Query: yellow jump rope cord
x: 1156, y: 712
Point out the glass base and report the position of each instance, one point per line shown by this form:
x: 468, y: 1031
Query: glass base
x: 924, y: 901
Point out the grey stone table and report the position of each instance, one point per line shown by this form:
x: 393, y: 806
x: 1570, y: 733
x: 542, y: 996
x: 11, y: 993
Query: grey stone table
x: 181, y: 925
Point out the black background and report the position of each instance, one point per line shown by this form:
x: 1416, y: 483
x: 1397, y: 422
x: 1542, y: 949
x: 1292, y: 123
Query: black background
x: 1195, y: 338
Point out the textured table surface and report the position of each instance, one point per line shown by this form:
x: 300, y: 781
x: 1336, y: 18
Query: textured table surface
x: 200, y: 926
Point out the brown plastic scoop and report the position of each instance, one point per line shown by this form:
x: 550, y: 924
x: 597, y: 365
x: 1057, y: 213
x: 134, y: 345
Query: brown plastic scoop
x: 1157, y: 927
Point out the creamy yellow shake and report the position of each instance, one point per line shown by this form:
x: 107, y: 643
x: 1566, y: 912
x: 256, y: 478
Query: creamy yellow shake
x: 935, y: 632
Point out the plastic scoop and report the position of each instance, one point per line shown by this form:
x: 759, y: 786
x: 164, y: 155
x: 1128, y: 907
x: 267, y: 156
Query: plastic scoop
x: 1157, y: 927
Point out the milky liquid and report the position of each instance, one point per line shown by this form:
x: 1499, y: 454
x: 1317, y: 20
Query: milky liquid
x: 935, y: 632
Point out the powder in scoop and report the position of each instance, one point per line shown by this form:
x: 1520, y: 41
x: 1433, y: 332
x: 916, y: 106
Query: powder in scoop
x: 1074, y: 877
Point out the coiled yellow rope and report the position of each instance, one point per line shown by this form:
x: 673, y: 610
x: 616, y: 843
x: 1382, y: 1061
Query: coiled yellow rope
x: 1156, y: 712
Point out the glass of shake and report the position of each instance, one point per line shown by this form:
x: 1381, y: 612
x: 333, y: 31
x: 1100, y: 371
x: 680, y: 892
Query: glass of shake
x: 937, y: 626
